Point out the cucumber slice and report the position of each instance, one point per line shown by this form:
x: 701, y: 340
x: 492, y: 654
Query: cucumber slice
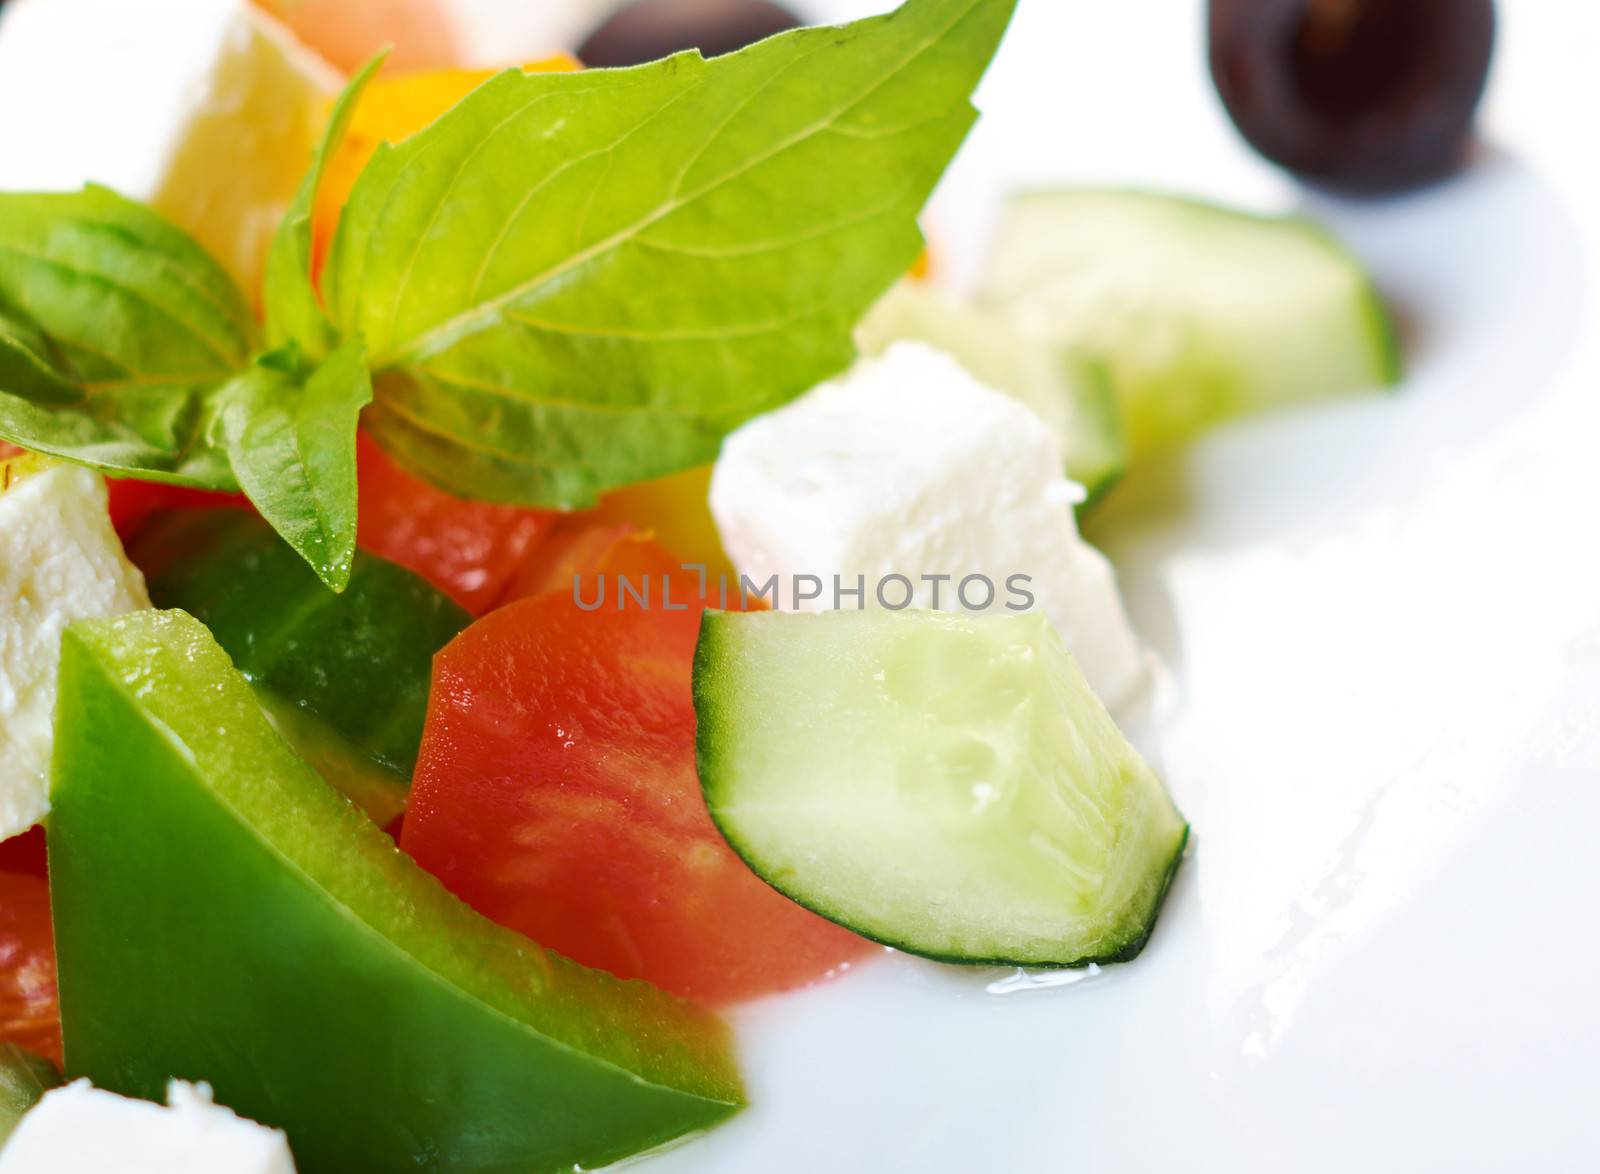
x: 1072, y: 394
x: 945, y: 784
x: 1202, y: 313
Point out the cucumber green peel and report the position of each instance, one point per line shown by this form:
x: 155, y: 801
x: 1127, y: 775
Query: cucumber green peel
x: 1071, y: 393
x: 1202, y: 313
x: 945, y: 784
x: 222, y: 914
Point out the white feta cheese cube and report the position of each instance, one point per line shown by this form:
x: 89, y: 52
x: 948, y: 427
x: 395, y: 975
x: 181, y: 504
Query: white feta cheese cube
x: 60, y: 562
x: 208, y: 110
x: 80, y: 1129
x: 908, y: 466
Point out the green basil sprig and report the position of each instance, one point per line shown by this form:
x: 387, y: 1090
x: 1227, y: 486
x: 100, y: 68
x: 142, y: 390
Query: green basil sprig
x: 569, y: 283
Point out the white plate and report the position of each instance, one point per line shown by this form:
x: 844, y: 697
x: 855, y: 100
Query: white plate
x: 1382, y: 618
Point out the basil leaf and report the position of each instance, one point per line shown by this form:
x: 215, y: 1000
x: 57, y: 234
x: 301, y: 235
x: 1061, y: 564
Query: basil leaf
x: 291, y: 441
x: 572, y: 282
x: 294, y: 310
x: 25, y: 372
x: 114, y: 328
x: 124, y: 346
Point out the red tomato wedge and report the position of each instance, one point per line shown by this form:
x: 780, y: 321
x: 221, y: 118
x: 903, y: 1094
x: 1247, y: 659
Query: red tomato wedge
x: 133, y: 503
x: 589, y: 547
x: 24, y: 853
x: 30, y: 1015
x: 556, y: 793
x: 468, y: 549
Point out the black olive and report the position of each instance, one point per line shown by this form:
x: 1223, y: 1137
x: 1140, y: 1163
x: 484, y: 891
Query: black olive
x: 1367, y: 95
x: 652, y: 29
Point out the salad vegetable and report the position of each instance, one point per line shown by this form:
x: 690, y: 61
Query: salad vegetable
x: 606, y: 271
x: 1200, y: 312
x: 344, y: 677
x: 470, y: 550
x: 556, y: 793
x: 24, y: 1078
x: 28, y: 1010
x: 24, y: 853
x: 391, y: 109
x: 463, y: 514
x: 134, y: 503
x: 219, y: 909
x: 129, y: 328
x: 1072, y: 394
x: 677, y: 511
x: 907, y: 483
x: 586, y: 548
x: 948, y: 785
x: 671, y: 259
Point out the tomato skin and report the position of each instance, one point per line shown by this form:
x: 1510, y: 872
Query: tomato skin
x: 30, y: 1014
x: 469, y: 550
x: 587, y: 547
x: 133, y: 503
x: 24, y: 853
x: 557, y: 794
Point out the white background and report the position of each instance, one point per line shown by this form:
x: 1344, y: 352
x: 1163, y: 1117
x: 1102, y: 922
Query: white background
x: 1381, y: 617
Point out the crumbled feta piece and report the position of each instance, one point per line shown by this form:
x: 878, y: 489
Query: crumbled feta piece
x: 209, y: 110
x: 908, y: 466
x: 80, y: 1129
x: 60, y: 562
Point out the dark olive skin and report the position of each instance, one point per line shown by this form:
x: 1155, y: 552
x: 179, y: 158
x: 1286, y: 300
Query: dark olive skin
x: 651, y: 29
x: 1369, y: 96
